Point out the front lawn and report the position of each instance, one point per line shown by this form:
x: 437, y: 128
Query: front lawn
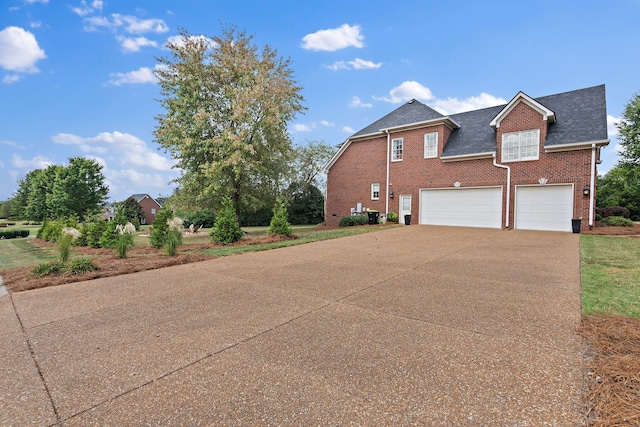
x: 610, y: 270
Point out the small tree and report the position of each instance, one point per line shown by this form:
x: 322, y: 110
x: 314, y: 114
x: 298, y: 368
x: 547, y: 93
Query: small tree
x: 226, y: 228
x: 279, y: 223
x: 160, y: 226
x: 132, y: 210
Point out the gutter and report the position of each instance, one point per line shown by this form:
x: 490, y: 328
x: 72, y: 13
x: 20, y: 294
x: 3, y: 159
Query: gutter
x: 495, y: 163
x: 592, y: 185
x: 386, y: 207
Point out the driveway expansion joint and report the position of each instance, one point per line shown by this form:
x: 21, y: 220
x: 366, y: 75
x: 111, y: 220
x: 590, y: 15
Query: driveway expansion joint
x: 35, y: 361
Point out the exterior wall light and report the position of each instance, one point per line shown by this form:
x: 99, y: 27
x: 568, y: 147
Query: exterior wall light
x: 586, y: 190
x: 391, y: 194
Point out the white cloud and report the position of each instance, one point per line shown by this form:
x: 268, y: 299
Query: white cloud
x: 84, y: 9
x: 357, y: 103
x: 130, y: 166
x: 135, y: 44
x: 326, y: 123
x: 123, y: 148
x: 179, y: 41
x: 19, y: 50
x: 37, y: 1
x: 455, y: 105
x: 299, y: 127
x: 356, y: 64
x: 38, y: 162
x: 334, y: 39
x: 361, y: 64
x: 35, y: 24
x: 10, y: 79
x: 142, y: 75
x: 130, y: 24
x: 414, y: 90
x: 348, y: 129
x: 406, y: 91
x: 612, y: 123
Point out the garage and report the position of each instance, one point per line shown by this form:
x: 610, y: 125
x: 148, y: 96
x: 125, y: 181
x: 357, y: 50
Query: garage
x: 544, y: 207
x: 463, y: 207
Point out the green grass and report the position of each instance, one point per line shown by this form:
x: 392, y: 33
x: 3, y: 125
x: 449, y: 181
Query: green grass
x: 610, y: 270
x: 16, y: 253
x: 306, y: 234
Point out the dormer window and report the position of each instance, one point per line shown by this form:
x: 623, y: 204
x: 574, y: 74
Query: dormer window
x: 519, y: 146
x: 396, y: 149
x: 431, y: 145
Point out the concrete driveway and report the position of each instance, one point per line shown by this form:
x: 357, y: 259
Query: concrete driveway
x: 416, y: 325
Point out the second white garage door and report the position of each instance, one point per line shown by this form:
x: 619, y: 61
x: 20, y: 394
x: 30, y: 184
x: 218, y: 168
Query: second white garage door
x: 465, y: 207
x: 544, y: 207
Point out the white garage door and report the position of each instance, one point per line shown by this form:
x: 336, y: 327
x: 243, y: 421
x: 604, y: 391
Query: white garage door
x: 465, y: 207
x: 545, y: 207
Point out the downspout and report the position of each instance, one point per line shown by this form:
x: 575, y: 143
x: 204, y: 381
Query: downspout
x: 386, y: 208
x: 592, y: 185
x: 495, y: 163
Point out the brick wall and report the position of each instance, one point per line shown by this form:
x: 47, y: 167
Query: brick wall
x: 364, y: 162
x: 148, y: 205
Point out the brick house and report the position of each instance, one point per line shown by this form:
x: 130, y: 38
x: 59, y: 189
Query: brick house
x: 149, y: 205
x: 529, y: 164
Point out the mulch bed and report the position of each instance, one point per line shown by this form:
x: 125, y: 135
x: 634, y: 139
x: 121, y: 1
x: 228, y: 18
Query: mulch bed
x: 139, y: 258
x: 609, y: 230
x: 613, y: 378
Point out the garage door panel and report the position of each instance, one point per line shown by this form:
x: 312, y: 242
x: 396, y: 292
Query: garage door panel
x: 547, y: 207
x: 465, y: 207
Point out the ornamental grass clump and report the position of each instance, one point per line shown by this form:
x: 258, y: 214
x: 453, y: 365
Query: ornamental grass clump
x: 174, y: 235
x: 124, y: 239
x: 66, y: 239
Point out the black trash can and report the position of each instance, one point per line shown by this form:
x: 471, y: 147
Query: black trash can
x: 407, y: 220
x: 576, y: 224
x: 373, y: 217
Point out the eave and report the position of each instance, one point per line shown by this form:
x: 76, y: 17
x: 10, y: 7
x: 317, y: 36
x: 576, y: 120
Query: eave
x: 548, y: 115
x: 575, y: 146
x: 463, y: 157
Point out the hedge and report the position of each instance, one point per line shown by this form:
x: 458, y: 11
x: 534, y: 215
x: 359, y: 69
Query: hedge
x: 348, y: 221
x: 12, y: 234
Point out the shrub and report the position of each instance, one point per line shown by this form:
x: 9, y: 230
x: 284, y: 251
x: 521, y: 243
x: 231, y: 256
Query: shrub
x: 81, y: 265
x: 174, y: 235
x: 49, y: 268
x: 598, y: 217
x: 618, y: 221
x: 160, y: 231
x: 7, y: 234
x: 226, y: 228
x: 392, y: 217
x: 615, y: 211
x: 348, y: 221
x: 204, y: 218
x: 91, y: 232
x: 279, y: 222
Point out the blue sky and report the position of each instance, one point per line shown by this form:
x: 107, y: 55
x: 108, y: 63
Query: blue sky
x: 76, y: 75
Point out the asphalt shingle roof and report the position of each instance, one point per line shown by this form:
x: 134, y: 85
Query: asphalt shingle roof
x: 581, y: 116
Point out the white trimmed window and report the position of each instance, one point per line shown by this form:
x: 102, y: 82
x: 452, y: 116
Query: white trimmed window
x: 375, y: 191
x: 517, y: 146
x: 153, y: 211
x: 431, y: 145
x: 396, y: 149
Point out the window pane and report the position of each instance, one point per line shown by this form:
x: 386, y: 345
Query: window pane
x: 431, y: 145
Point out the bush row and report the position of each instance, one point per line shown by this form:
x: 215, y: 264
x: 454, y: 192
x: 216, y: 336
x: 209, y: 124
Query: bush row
x: 12, y: 234
x: 348, y: 221
x: 613, y: 211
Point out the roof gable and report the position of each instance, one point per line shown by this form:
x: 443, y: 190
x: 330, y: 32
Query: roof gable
x: 548, y: 115
x: 411, y: 112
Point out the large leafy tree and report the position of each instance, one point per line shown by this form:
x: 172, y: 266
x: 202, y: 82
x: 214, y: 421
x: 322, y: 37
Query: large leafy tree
x: 79, y: 189
x: 227, y: 106
x: 629, y: 130
x: 309, y: 161
x: 41, y: 184
x: 620, y: 187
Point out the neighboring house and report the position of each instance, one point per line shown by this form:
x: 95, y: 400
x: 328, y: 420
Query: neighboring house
x: 529, y: 164
x: 108, y: 212
x: 149, y: 205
